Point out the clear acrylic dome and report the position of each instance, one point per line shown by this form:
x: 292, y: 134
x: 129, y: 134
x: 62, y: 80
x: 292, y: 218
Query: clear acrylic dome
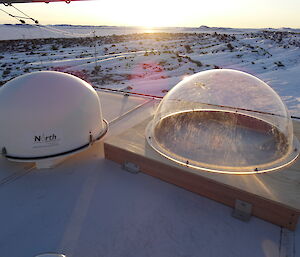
x: 224, y: 121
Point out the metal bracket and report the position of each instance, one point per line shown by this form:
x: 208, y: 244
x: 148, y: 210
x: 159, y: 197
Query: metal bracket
x: 242, y: 210
x: 287, y: 243
x: 3, y: 151
x: 131, y: 167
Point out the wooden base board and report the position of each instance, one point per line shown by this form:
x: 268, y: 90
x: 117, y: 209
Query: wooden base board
x: 274, y: 196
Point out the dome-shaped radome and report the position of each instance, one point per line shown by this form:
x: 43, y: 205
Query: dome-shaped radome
x: 48, y: 114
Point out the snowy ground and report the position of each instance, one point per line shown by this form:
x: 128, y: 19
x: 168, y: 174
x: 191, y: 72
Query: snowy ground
x: 153, y: 63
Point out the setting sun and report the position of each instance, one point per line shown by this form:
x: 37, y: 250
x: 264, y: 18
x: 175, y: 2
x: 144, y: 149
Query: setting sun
x: 147, y: 29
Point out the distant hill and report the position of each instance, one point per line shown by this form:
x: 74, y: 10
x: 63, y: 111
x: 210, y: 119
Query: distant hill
x: 234, y: 30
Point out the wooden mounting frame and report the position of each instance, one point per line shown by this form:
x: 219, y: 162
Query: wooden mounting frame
x: 275, y: 196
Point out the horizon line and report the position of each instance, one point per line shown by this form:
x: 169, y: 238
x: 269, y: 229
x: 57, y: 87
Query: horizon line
x: 152, y: 27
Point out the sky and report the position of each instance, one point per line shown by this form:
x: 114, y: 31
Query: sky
x: 166, y: 13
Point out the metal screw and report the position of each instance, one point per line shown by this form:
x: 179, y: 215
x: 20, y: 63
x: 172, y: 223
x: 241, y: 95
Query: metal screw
x: 91, y: 138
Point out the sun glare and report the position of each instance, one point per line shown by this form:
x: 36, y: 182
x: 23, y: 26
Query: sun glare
x: 157, y: 13
x: 147, y: 29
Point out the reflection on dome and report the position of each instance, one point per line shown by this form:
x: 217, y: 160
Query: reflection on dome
x: 224, y: 121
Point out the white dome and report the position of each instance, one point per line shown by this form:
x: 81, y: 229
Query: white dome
x: 224, y: 121
x: 48, y: 114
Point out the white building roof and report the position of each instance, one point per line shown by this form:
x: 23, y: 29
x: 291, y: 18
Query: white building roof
x: 89, y: 207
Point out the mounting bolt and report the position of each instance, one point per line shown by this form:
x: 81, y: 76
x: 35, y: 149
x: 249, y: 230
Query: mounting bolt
x: 91, y: 138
